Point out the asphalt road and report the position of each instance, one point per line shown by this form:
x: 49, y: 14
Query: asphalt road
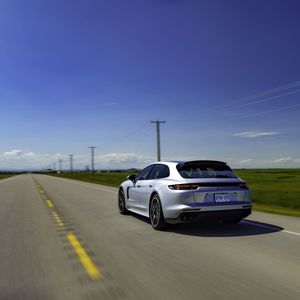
x: 63, y: 239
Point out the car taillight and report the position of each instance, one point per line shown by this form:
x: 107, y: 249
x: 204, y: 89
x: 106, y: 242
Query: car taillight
x: 183, y: 186
x: 243, y: 185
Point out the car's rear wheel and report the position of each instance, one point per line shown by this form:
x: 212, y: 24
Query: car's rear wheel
x: 121, y: 203
x: 156, y: 214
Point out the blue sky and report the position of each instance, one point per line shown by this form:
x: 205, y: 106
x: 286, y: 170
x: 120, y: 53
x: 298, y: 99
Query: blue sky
x: 225, y: 75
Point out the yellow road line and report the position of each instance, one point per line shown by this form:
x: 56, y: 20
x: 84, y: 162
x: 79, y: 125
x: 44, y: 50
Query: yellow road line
x: 50, y: 204
x: 86, y: 261
x: 57, y: 219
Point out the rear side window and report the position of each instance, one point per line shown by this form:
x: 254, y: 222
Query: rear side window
x: 159, y: 171
x: 144, y: 174
x: 205, y: 171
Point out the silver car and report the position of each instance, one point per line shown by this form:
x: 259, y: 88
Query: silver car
x: 176, y: 192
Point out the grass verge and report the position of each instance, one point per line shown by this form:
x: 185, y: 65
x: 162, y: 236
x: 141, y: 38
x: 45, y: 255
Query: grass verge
x: 274, y: 190
x: 3, y: 176
x: 276, y: 210
x: 110, y: 178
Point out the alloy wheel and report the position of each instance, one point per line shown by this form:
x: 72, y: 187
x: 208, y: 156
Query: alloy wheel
x: 155, y: 212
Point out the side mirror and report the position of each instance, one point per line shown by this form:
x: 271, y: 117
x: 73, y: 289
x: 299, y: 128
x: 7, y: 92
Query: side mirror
x: 131, y: 177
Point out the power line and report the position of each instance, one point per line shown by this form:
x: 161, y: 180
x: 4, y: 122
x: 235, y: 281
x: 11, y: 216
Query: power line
x: 264, y: 96
x: 253, y: 99
x: 267, y: 111
x: 140, y: 128
x: 243, y: 101
x: 264, y: 100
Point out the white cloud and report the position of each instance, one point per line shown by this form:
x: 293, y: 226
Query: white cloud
x: 28, y: 154
x: 19, y: 159
x: 255, y: 134
x: 283, y: 160
x: 13, y: 153
x: 16, y: 153
x: 246, y: 161
x: 122, y: 160
x: 286, y: 160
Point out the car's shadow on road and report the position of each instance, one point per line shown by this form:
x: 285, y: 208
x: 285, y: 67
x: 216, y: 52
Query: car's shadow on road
x: 206, y: 229
x: 218, y: 229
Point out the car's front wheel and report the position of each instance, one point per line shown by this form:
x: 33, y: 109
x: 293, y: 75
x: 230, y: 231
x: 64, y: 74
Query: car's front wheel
x: 156, y: 214
x: 121, y: 203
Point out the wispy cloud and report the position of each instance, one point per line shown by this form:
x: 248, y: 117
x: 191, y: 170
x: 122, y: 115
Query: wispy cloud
x: 20, y: 159
x: 256, y: 134
x: 246, y: 161
x: 13, y: 153
x: 123, y: 160
x: 281, y: 162
x: 285, y: 160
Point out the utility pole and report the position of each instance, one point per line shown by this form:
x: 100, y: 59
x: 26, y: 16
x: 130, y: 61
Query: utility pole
x: 60, y: 165
x: 92, y: 158
x: 71, y: 162
x: 157, y: 122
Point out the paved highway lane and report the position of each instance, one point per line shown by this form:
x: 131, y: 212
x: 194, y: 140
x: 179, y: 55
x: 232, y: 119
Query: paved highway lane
x: 55, y: 233
x: 33, y: 262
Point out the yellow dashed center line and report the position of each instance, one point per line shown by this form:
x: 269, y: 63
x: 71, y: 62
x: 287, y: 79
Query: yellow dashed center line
x: 57, y: 218
x: 86, y: 261
x: 49, y: 202
x: 84, y: 258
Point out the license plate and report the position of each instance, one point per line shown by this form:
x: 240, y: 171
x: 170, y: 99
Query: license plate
x: 222, y: 198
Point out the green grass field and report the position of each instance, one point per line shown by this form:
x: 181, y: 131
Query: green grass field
x: 4, y: 175
x: 111, y: 178
x: 273, y: 190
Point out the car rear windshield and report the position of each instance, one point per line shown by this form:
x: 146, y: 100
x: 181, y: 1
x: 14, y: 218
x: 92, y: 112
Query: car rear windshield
x: 205, y: 171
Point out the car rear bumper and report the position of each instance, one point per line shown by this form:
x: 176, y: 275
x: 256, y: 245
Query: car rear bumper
x: 197, y: 215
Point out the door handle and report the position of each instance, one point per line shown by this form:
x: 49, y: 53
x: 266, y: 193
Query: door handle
x: 139, y: 186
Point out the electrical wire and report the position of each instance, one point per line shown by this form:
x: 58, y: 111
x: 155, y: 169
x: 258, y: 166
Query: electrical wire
x: 132, y: 133
x: 253, y: 99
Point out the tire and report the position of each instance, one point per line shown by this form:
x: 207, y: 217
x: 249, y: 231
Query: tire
x: 121, y: 203
x: 156, y: 215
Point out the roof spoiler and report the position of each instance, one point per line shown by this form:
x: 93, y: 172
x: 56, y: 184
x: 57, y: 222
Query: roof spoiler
x: 200, y: 162
x: 204, y: 162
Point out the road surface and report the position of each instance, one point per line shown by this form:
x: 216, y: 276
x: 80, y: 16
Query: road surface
x: 64, y: 239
